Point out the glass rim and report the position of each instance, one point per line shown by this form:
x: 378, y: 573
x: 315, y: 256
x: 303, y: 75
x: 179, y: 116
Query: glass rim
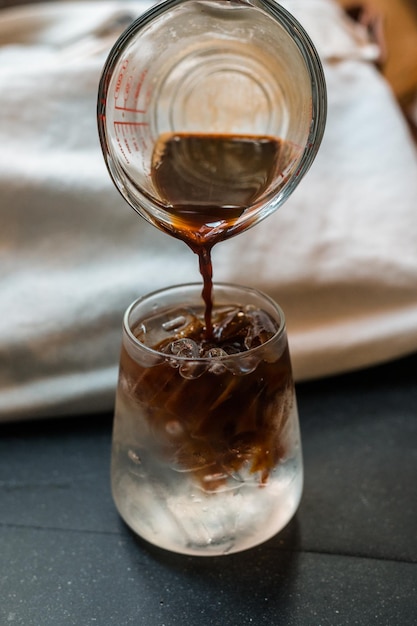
x: 137, y: 344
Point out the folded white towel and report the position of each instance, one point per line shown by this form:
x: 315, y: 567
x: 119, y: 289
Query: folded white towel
x: 340, y: 256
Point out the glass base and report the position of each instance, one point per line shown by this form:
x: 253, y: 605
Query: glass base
x: 171, y: 511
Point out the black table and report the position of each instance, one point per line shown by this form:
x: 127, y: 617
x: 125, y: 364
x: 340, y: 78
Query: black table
x: 348, y: 557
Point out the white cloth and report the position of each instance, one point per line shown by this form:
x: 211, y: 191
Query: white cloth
x: 340, y: 256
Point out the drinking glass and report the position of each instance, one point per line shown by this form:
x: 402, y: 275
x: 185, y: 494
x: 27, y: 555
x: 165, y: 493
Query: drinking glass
x: 206, y: 451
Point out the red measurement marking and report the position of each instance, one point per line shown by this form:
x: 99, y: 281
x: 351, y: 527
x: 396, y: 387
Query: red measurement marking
x: 119, y: 108
x: 128, y: 86
x: 140, y: 83
x: 128, y: 146
x: 131, y: 123
x: 120, y: 78
x: 122, y: 151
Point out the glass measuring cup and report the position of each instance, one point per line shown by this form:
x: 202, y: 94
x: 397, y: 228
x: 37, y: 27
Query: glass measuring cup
x: 233, y: 92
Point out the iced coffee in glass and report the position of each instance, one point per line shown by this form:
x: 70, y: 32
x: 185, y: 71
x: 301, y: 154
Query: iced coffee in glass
x: 210, y: 112
x: 206, y: 446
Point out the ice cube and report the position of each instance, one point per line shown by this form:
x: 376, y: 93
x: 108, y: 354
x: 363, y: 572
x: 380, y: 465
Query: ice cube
x: 217, y: 367
x: 185, y: 348
x: 169, y: 324
x: 261, y: 327
x: 174, y: 324
x: 244, y: 365
x: 214, y: 353
x: 192, y: 369
x: 243, y: 328
x: 231, y: 326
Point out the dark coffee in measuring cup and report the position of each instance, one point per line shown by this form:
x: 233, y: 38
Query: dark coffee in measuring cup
x: 207, y: 181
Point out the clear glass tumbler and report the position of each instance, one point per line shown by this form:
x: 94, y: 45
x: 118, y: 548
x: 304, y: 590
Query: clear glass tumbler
x: 206, y: 452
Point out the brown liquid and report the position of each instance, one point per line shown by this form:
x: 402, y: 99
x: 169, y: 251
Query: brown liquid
x: 206, y: 182
x: 216, y: 423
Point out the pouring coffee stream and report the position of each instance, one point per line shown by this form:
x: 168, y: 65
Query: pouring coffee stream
x: 209, y: 115
x: 207, y: 182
